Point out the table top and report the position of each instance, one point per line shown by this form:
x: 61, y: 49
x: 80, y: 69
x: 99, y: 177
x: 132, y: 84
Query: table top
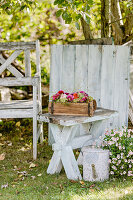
x: 100, y: 114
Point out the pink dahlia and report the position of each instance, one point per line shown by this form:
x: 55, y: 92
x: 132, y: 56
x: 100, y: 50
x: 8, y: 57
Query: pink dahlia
x: 70, y: 97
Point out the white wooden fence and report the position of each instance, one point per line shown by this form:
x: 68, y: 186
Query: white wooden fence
x: 101, y: 71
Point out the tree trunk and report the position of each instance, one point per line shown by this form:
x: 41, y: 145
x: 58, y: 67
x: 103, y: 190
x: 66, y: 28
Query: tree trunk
x: 104, y: 18
x: 116, y: 28
x: 86, y: 29
x: 129, y: 22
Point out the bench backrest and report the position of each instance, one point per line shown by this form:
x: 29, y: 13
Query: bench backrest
x: 101, y: 71
x: 18, y: 47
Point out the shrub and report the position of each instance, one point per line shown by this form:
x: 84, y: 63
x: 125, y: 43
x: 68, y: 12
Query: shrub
x: 120, y: 144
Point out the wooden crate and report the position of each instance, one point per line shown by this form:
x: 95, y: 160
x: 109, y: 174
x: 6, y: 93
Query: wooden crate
x: 77, y: 109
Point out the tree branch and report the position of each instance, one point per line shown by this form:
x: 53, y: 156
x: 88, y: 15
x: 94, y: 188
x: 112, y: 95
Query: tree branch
x: 129, y: 22
x: 117, y: 31
x: 104, y: 18
x: 120, y: 19
x: 86, y: 29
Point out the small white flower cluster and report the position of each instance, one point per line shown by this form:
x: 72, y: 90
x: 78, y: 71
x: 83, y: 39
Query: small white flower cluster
x: 120, y: 144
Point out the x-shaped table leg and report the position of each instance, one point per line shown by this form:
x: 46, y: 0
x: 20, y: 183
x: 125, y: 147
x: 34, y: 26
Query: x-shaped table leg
x: 63, y: 153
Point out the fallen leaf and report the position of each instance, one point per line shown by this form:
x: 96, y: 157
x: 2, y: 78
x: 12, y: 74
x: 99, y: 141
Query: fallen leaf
x: 13, y: 186
x: 82, y: 182
x: 61, y: 188
x: 18, y: 124
x: 73, y: 181
x: 4, y: 186
x: 23, y: 173
x: 20, y: 175
x: 93, y: 185
x: 17, y: 192
x: 1, y: 144
x: 33, y: 177
x: 0, y: 194
x: 2, y: 156
x: 10, y: 144
x: 54, y: 183
x: 39, y: 175
x: 83, y: 186
x: 22, y: 179
x: 32, y: 165
x: 0, y: 134
x: 92, y: 190
x: 16, y: 179
x: 23, y: 149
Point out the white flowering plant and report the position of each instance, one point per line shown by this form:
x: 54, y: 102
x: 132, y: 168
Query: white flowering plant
x: 120, y: 145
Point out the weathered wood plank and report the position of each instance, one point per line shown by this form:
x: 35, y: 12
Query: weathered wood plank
x: 99, y: 41
x: 27, y: 63
x: 11, y: 68
x: 16, y: 113
x: 35, y: 112
x: 100, y: 114
x: 107, y: 76
x: 14, y: 104
x: 38, y: 70
x: 9, y: 60
x: 77, y: 109
x: 11, y: 81
x: 79, y: 142
x: 17, y: 45
x: 122, y: 85
x: 55, y: 165
x: 81, y: 70
x: 70, y: 164
x: 67, y: 68
x: 94, y: 72
x: 55, y: 69
x: 14, y: 71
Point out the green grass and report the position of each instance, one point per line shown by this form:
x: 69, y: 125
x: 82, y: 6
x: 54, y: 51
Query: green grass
x: 24, y: 182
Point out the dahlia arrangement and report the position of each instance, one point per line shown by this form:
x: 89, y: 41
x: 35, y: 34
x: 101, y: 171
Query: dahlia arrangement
x: 120, y: 144
x: 76, y: 97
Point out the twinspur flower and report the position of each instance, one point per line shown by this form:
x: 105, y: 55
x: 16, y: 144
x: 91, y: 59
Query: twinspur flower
x: 120, y: 145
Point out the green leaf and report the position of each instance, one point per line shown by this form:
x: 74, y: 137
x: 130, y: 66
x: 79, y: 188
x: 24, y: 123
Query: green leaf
x: 67, y: 17
x: 87, y: 19
x: 78, y: 17
x: 58, y: 13
x: 77, y: 25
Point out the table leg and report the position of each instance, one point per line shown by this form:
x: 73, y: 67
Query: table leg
x: 63, y: 153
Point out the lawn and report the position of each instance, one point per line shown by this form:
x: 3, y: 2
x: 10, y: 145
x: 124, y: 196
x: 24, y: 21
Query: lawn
x: 22, y: 178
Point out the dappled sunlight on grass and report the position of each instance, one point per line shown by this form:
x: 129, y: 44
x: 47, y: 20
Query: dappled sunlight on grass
x: 21, y: 178
x: 110, y: 193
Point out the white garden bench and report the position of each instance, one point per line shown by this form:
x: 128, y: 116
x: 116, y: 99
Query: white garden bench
x: 23, y: 108
x: 102, y: 72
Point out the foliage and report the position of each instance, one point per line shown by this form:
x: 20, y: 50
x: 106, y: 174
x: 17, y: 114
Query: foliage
x: 11, y: 6
x: 37, y: 23
x: 77, y: 97
x: 74, y: 11
x: 120, y: 144
x: 119, y: 16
